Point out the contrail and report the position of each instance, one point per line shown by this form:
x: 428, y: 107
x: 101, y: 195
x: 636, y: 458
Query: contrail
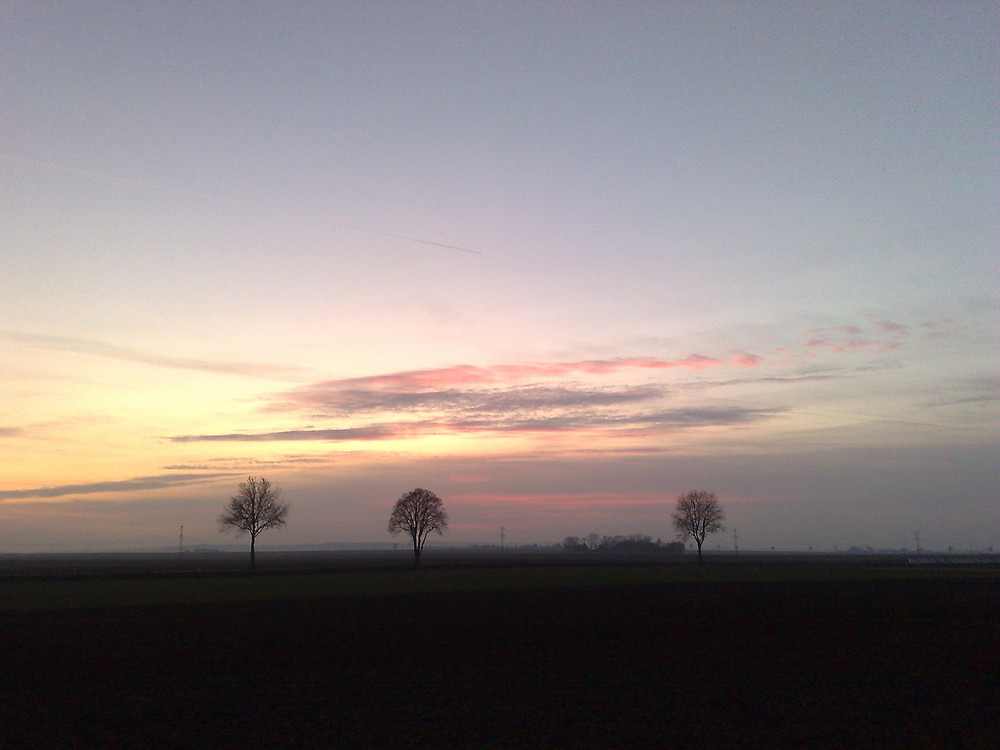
x: 214, y: 199
x: 108, y: 177
x: 404, y: 237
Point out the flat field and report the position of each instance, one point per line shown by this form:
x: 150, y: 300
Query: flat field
x: 520, y: 654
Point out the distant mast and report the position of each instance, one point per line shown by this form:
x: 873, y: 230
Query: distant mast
x: 180, y: 543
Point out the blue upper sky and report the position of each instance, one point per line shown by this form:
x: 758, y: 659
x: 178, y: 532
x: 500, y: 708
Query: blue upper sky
x: 556, y: 261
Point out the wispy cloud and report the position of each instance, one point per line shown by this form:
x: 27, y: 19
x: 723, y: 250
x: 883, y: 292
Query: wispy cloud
x: 897, y: 330
x: 853, y: 343
x: 370, y: 432
x: 110, y: 351
x: 468, y: 386
x: 329, y: 399
x: 985, y: 390
x: 136, y: 484
x: 888, y: 335
x: 588, y: 396
x: 667, y: 420
x: 771, y: 379
x: 745, y: 359
x: 941, y: 328
x: 422, y: 381
x: 243, y: 464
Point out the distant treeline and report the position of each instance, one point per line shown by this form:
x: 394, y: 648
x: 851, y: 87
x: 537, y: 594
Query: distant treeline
x: 619, y: 543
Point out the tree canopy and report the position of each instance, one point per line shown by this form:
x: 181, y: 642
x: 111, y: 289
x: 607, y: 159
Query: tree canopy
x: 253, y: 509
x: 697, y: 515
x: 418, y: 513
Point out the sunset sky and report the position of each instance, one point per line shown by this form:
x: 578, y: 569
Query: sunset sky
x: 557, y: 262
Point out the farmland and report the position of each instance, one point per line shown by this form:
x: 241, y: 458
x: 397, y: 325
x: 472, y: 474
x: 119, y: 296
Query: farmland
x: 517, y: 652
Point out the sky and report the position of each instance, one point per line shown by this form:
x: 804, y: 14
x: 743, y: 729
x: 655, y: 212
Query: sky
x: 557, y: 262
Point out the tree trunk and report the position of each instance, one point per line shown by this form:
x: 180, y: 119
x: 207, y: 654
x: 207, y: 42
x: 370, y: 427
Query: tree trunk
x: 253, y: 560
x: 416, y: 546
x: 699, y: 553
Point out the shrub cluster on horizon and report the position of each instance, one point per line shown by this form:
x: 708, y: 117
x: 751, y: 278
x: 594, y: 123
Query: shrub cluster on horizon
x: 627, y: 543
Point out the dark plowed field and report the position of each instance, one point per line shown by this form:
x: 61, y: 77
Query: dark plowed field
x: 906, y: 664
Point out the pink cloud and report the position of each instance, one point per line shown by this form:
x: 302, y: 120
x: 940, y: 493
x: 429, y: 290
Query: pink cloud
x: 854, y: 344
x: 594, y: 367
x: 416, y: 381
x: 789, y: 357
x: 874, y: 345
x: 745, y: 359
x: 893, y: 329
x: 857, y: 343
x: 842, y: 330
x: 941, y: 328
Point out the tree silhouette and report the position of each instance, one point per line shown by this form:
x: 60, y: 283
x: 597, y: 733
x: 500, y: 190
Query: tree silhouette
x: 418, y: 513
x: 698, y: 514
x: 253, y: 509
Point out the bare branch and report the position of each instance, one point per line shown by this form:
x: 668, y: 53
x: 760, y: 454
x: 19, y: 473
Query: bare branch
x: 418, y: 513
x: 253, y: 509
x: 698, y: 514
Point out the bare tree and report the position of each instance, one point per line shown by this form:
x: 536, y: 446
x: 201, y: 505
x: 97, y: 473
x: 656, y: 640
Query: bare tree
x: 573, y: 544
x: 698, y: 514
x: 418, y: 513
x: 253, y: 509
